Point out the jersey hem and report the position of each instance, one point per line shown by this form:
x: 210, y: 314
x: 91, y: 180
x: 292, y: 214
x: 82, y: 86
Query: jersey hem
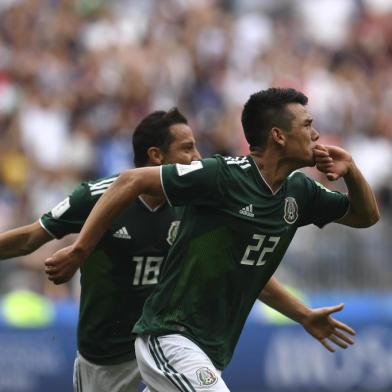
x: 163, y: 187
x: 124, y: 357
x: 346, y: 212
x: 46, y: 229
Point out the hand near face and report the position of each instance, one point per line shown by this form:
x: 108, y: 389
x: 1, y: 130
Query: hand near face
x: 62, y: 266
x: 334, y: 161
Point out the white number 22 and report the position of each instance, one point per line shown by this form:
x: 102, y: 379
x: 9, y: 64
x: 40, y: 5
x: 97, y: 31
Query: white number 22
x: 248, y: 260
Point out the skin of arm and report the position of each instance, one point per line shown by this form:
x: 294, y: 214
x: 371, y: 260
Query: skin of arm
x: 317, y: 322
x: 131, y: 183
x: 23, y: 240
x: 335, y: 163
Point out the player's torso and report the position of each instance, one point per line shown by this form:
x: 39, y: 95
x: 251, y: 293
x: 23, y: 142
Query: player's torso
x: 117, y: 278
x: 223, y: 257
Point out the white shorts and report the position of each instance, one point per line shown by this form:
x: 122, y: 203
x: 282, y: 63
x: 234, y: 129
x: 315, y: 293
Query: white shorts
x: 89, y: 377
x: 172, y: 363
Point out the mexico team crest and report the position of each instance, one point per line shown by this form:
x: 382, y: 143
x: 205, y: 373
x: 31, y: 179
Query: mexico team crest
x: 290, y: 210
x: 172, y: 233
x: 206, y: 377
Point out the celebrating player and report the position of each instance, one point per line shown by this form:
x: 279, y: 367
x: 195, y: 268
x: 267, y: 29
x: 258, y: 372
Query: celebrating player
x: 123, y: 269
x: 240, y: 217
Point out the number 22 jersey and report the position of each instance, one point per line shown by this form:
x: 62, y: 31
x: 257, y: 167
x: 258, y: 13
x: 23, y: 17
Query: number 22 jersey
x: 234, y: 233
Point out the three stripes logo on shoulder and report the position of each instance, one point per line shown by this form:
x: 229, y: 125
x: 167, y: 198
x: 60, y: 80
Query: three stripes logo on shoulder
x: 206, y: 377
x: 247, y: 211
x: 122, y: 233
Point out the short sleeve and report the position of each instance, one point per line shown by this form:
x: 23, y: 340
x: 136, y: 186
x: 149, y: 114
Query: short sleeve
x: 70, y: 214
x: 194, y: 184
x: 324, y: 205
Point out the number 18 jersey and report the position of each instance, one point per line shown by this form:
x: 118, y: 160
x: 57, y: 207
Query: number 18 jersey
x: 119, y: 274
x: 232, y: 237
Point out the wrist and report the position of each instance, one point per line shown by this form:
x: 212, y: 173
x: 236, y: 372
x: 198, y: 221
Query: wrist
x: 351, y: 169
x: 80, y: 251
x: 303, y: 315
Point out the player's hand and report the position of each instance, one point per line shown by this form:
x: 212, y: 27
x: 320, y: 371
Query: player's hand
x: 62, y: 266
x: 334, y: 161
x: 327, y: 330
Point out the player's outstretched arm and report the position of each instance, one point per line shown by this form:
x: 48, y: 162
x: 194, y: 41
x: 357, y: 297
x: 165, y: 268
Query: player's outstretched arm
x: 335, y: 163
x: 317, y: 322
x: 64, y: 263
x: 22, y: 240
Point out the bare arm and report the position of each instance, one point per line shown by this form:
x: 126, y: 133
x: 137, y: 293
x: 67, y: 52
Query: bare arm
x: 317, y: 322
x: 335, y: 163
x: 63, y: 264
x: 23, y: 240
x: 363, y: 210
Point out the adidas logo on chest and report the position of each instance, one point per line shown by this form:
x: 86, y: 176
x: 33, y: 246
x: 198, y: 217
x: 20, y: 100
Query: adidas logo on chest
x: 247, y: 211
x: 122, y: 233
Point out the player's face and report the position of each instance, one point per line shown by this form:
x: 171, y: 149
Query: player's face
x: 183, y: 147
x: 302, y: 137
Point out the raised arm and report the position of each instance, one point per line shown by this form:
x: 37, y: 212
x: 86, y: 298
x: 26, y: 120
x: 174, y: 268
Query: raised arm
x: 317, y: 322
x: 335, y: 163
x: 23, y: 240
x: 63, y: 264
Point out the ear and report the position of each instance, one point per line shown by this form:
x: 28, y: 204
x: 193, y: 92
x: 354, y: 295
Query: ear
x: 155, y: 156
x: 278, y: 136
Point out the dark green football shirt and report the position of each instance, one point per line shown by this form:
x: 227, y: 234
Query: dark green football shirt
x: 119, y: 274
x: 234, y: 233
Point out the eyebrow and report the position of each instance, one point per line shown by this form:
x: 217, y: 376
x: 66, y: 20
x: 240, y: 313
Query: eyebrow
x: 189, y: 143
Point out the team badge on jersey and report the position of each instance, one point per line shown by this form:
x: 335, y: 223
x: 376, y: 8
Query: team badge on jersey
x: 206, y: 377
x: 290, y: 210
x: 185, y: 169
x: 172, y: 233
x: 61, y: 208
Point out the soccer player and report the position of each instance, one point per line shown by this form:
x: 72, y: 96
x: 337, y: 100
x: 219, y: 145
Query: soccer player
x: 241, y: 214
x: 123, y: 269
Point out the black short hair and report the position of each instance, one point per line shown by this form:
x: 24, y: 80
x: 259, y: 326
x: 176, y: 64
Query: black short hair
x: 266, y: 109
x: 154, y: 131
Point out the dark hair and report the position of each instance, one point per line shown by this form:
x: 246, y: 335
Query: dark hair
x: 267, y: 109
x: 153, y: 131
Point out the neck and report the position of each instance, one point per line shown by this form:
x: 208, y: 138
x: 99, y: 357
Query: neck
x: 273, y: 168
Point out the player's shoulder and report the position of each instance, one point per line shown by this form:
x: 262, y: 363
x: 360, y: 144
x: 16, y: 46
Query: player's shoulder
x: 298, y: 179
x: 91, y: 189
x: 98, y: 186
x: 297, y: 176
x: 234, y: 163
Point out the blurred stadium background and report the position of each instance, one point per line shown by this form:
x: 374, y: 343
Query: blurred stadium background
x: 75, y: 78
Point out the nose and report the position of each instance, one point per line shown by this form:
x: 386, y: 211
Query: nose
x: 315, y: 135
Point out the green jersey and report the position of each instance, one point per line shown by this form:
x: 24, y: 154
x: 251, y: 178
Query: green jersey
x: 120, y: 273
x: 233, y: 235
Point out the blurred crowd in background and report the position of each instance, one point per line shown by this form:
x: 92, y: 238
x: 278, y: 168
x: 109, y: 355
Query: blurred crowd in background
x: 76, y: 76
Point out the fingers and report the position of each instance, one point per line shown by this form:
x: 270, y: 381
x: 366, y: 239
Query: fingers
x: 54, y: 272
x: 325, y: 343
x: 339, y: 339
x: 334, y: 308
x: 343, y: 337
x: 344, y: 327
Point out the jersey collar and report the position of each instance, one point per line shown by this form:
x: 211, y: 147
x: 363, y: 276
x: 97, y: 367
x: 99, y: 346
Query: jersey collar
x: 261, y: 178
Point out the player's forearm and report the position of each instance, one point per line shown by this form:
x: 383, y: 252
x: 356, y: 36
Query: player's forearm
x: 277, y: 297
x: 363, y: 205
x: 122, y: 192
x: 22, y: 241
